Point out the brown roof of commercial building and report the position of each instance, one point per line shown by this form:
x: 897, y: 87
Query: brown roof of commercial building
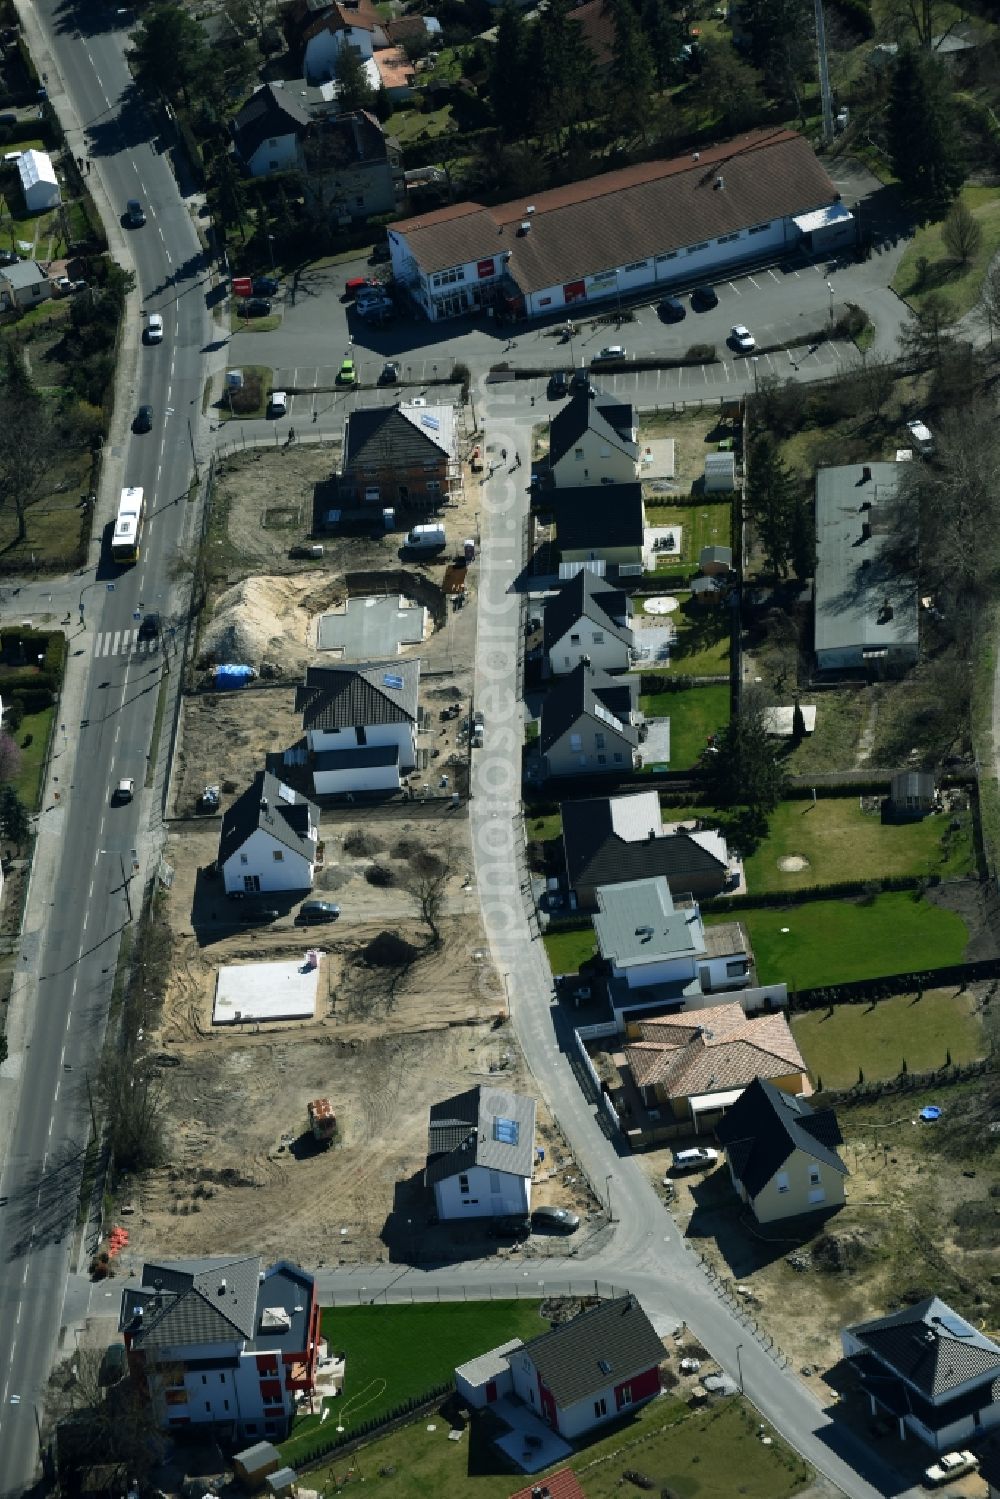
x: 629, y: 215
x: 709, y: 1051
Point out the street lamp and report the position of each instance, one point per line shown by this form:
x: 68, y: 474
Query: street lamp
x: 270, y: 245
x: 739, y: 1366
x: 607, y: 1183
x: 829, y: 287
x: 753, y: 363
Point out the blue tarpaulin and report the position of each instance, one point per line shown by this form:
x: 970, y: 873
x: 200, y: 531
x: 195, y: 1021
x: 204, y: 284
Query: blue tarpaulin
x: 233, y: 676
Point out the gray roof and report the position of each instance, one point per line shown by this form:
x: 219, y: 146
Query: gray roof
x: 275, y: 808
x: 766, y: 1125
x: 596, y: 854
x: 270, y: 111
x: 380, y: 436
x: 586, y: 691
x: 862, y: 601
x: 910, y: 784
x: 184, y: 1302
x: 602, y: 1347
x: 586, y: 596
x: 356, y: 759
x: 22, y: 274
x: 723, y: 555
x: 930, y: 1347
x: 636, y: 921
x: 350, y: 697
x: 257, y: 1456
x: 479, y: 1371
x: 612, y: 421
x: 596, y: 516
x: 470, y: 1129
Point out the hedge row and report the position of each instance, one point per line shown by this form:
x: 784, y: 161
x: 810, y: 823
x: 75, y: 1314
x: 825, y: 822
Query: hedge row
x: 868, y: 990
x: 904, y: 1082
x: 652, y: 681
x: 368, y: 1428
x: 842, y: 890
x: 26, y: 646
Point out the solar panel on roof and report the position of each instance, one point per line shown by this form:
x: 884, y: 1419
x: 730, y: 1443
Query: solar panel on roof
x: 390, y: 679
x: 506, y: 1131
x: 286, y: 793
x: 430, y: 421
x: 953, y: 1324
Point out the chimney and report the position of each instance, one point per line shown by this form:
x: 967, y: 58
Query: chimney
x: 866, y: 530
x: 696, y: 156
x: 866, y: 474
x: 222, y: 1286
x: 719, y: 184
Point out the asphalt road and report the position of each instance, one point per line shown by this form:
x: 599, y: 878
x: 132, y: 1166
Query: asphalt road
x: 78, y: 905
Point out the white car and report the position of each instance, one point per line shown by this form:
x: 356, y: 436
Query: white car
x: 741, y: 338
x: 951, y: 1465
x: 698, y: 1158
x: 277, y: 404
x: 923, y: 439
x: 613, y: 351
x: 154, y: 328
x: 125, y: 790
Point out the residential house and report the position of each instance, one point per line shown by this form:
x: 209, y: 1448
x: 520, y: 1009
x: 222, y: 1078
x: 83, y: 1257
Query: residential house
x: 912, y: 795
x: 39, y: 183
x: 715, y: 561
x: 353, y: 169
x: 593, y: 439
x: 23, y: 284
x: 660, y: 952
x: 693, y: 1067
x: 865, y: 608
x: 611, y: 839
x: 645, y: 227
x: 269, y: 130
x: 346, y: 23
x: 396, y: 74
x: 590, y: 1370
x: 708, y: 591
x: 269, y: 839
x: 481, y: 1154
x: 587, y: 724
x: 586, y: 621
x: 360, y: 724
x: 601, y: 523
x: 223, y: 1343
x: 405, y: 31
x: 935, y: 1373
x: 782, y: 1153
x: 400, y: 455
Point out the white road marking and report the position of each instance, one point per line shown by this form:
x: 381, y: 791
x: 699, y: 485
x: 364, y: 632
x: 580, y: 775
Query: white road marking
x: 753, y: 283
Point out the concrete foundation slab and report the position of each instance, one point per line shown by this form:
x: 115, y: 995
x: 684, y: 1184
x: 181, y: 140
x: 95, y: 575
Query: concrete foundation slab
x: 372, y: 628
x: 267, y: 991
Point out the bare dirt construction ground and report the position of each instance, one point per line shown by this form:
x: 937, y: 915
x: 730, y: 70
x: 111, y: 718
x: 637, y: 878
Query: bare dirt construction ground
x: 388, y: 1039
x: 920, y: 1219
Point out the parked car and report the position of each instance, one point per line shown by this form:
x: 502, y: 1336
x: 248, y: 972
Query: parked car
x: 671, y: 310
x: 135, y: 215
x: 921, y: 436
x: 143, y: 419
x: 612, y: 352
x: 255, y: 307
x: 347, y: 375
x: 390, y: 373
x: 266, y: 286
x: 742, y: 339
x: 149, y: 629
x: 703, y: 298
x: 515, y: 1227
x: 313, y: 912
x: 124, y: 790
x: 697, y: 1158
x: 554, y: 1220
x: 154, y: 328
x: 950, y: 1465
x: 250, y: 913
x: 580, y: 380
x: 558, y: 384
x: 356, y: 283
x: 277, y: 403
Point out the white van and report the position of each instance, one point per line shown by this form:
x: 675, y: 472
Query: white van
x: 278, y: 403
x: 427, y: 538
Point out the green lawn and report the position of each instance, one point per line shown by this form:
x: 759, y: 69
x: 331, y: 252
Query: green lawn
x: 240, y: 324
x: 708, y: 1454
x: 878, y: 1038
x: 694, y: 713
x: 35, y: 727
x: 835, y: 941
x: 701, y: 648
x: 265, y: 374
x: 541, y: 829
x: 567, y: 950
x: 408, y: 125
x: 843, y: 843
x: 957, y: 285
x: 702, y: 523
x: 395, y: 1353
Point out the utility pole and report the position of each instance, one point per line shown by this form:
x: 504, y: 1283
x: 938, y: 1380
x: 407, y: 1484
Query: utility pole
x: 824, y: 74
x: 739, y: 1366
x: 126, y: 881
x: 194, y: 455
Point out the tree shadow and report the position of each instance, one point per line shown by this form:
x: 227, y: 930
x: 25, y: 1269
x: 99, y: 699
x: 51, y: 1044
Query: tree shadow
x: 43, y: 1210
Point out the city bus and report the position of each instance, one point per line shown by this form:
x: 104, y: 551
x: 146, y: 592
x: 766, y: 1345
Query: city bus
x: 128, y: 526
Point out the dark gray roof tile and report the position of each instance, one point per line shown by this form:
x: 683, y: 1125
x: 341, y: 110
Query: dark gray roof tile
x: 602, y: 1347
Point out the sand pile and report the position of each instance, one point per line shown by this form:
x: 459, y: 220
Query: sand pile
x: 261, y: 619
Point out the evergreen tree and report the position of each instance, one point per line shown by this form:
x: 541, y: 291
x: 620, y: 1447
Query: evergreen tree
x: 353, y: 88
x: 667, y: 33
x: 731, y: 88
x: 171, y: 55
x: 802, y: 539
x: 631, y: 76
x: 923, y: 135
x: 772, y: 503
x: 14, y: 821
x: 510, y: 73
x: 745, y: 771
x: 562, y: 72
x: 781, y: 38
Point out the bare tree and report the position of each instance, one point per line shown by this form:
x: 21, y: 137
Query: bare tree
x: 876, y: 378
x: 961, y: 232
x: 426, y: 879
x: 10, y: 758
x: 102, y: 1417
x: 988, y: 306
x: 26, y: 441
x: 131, y: 1096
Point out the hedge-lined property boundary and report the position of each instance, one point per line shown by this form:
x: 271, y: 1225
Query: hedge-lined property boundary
x: 380, y: 1425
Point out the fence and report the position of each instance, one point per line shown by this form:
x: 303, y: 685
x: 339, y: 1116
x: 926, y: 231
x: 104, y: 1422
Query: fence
x: 589, y: 1070
x: 739, y: 1308
x: 908, y: 1082
x: 872, y: 990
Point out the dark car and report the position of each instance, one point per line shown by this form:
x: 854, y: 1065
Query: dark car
x: 256, y: 307
x: 558, y: 384
x: 135, y: 215
x: 265, y: 286
x: 143, y: 419
x: 671, y: 310
x: 258, y: 913
x: 149, y: 629
x: 379, y: 254
x: 580, y: 380
x: 390, y: 373
x: 515, y: 1227
x: 553, y: 1220
x: 704, y: 297
x: 312, y: 912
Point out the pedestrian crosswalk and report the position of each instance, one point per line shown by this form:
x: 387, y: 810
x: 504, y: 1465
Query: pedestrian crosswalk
x: 124, y: 643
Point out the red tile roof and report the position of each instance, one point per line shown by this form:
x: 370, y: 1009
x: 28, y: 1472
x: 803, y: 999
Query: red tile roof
x: 561, y: 1485
x: 359, y: 13
x: 628, y: 215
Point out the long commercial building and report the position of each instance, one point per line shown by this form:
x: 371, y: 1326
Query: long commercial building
x: 659, y: 223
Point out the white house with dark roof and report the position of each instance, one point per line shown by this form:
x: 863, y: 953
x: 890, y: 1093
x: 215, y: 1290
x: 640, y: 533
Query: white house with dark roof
x: 269, y: 839
x: 268, y: 130
x: 360, y: 725
x: 222, y: 1343
x: 588, y: 621
x: 932, y: 1370
x: 608, y: 840
x: 782, y: 1153
x: 604, y: 523
x: 762, y: 195
x: 23, y: 284
x: 481, y: 1153
x: 587, y: 726
x: 593, y: 439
